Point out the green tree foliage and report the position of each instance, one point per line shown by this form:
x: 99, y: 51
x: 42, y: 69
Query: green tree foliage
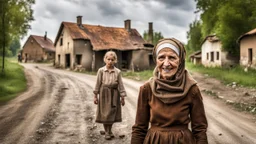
x: 235, y: 18
x: 228, y: 19
x: 156, y: 36
x: 15, y: 16
x: 209, y: 17
x: 194, y: 36
x: 14, y: 46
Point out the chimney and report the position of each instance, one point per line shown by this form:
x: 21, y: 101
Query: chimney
x: 79, y: 20
x: 127, y: 25
x: 45, y: 36
x: 150, y: 32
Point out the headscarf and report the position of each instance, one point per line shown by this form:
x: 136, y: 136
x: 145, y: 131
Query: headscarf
x: 171, y: 91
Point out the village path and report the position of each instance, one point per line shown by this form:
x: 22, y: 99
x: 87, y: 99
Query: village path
x: 58, y: 108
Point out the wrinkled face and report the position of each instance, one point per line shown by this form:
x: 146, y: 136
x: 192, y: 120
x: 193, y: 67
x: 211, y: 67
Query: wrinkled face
x: 167, y: 62
x: 110, y: 61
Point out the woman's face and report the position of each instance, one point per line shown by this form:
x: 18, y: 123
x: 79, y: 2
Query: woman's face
x: 167, y: 62
x: 110, y: 61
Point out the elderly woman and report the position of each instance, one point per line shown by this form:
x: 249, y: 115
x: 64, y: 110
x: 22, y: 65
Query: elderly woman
x: 170, y: 101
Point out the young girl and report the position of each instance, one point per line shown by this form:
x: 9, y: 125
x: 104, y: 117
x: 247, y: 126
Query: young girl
x: 109, y: 86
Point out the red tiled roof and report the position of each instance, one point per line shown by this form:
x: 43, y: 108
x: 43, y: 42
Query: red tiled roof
x: 103, y: 38
x: 45, y: 44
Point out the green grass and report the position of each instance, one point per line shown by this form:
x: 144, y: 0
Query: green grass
x: 12, y: 80
x: 227, y: 75
x: 139, y: 76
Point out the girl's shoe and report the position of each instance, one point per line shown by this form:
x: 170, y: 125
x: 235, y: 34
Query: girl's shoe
x: 107, y: 136
x: 112, y: 135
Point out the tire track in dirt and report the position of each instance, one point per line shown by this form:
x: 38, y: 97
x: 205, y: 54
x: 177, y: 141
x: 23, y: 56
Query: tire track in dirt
x: 68, y: 119
x: 22, y: 113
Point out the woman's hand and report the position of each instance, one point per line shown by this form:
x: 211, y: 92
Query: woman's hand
x: 122, y: 101
x: 95, y: 99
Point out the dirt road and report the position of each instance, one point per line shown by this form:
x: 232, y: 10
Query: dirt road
x: 58, y: 108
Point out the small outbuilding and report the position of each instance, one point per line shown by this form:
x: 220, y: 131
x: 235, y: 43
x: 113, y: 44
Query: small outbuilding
x: 247, y: 44
x: 195, y: 57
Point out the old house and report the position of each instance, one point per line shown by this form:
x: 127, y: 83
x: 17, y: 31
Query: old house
x: 38, y: 48
x: 213, y: 55
x: 84, y: 45
x: 195, y: 57
x: 248, y: 49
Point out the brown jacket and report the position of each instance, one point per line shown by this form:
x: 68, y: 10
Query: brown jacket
x: 151, y: 110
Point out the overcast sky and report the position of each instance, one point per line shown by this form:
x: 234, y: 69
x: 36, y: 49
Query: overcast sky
x: 170, y: 17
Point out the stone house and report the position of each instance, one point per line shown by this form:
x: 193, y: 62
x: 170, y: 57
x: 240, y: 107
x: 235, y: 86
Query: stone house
x: 84, y: 45
x: 247, y: 44
x: 213, y: 55
x: 38, y: 48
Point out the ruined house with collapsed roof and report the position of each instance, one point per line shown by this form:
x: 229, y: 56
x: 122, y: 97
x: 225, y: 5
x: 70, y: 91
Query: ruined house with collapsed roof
x: 247, y: 43
x: 38, y: 48
x: 84, y: 45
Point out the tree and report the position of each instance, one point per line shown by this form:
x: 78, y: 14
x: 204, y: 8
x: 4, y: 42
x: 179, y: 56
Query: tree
x: 228, y: 20
x: 194, y: 36
x: 14, y: 46
x: 209, y: 17
x: 15, y: 16
x: 235, y: 18
x: 156, y: 36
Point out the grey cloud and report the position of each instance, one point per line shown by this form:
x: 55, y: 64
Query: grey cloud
x: 110, y: 8
x: 187, y: 5
x: 171, y: 17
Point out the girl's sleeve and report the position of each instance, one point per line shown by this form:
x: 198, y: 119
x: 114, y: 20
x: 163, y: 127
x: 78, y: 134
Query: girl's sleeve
x: 140, y: 128
x: 121, y: 86
x: 98, y: 82
x: 198, y: 118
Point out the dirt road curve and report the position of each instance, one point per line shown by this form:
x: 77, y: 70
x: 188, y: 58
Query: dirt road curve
x: 58, y: 108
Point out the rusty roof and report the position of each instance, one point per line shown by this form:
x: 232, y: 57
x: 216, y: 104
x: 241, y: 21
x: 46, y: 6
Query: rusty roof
x: 252, y: 32
x: 211, y: 38
x: 196, y: 54
x: 104, y: 38
x: 45, y: 44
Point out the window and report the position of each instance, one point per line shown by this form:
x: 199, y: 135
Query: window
x: 59, y: 59
x: 61, y: 41
x: 207, y: 56
x: 212, y: 56
x: 217, y: 55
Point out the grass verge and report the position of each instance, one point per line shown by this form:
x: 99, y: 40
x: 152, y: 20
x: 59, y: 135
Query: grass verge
x: 227, y: 75
x: 12, y: 80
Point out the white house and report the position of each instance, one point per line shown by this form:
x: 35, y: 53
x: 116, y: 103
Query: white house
x: 213, y: 55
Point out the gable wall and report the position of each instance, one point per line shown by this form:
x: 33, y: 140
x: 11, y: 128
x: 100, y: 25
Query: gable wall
x: 66, y: 48
x: 33, y: 50
x: 209, y: 47
x: 245, y: 44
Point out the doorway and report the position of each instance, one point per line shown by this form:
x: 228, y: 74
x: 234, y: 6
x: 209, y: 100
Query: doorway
x: 250, y: 56
x: 67, y: 60
x: 124, y: 64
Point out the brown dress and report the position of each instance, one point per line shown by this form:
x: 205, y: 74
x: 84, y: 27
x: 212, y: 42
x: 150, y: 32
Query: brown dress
x: 169, y: 121
x: 110, y: 87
